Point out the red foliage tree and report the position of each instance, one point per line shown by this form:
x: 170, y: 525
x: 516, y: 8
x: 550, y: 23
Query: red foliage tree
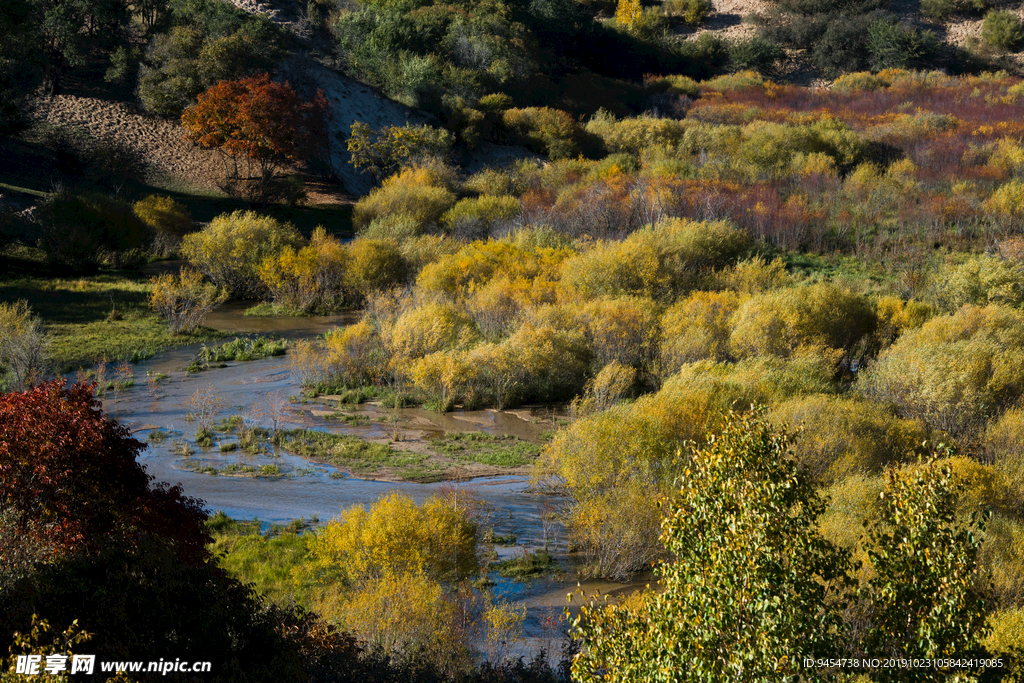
x: 69, y: 477
x: 259, y: 120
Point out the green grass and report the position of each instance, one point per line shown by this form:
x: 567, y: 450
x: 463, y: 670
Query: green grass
x: 487, y: 449
x: 354, y: 420
x: 238, y: 349
x: 273, y: 562
x: 77, y: 313
x: 236, y: 469
x: 353, y: 453
x: 158, y: 436
x: 527, y: 565
x: 268, y: 309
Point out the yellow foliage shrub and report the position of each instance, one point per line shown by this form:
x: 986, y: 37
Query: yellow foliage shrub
x: 622, y: 329
x: 432, y: 327
x: 979, y: 280
x: 896, y: 316
x: 954, y: 371
x: 852, y: 501
x: 859, y: 81
x: 183, y: 300
x: 1006, y: 204
x: 755, y: 275
x: 418, y: 252
x: 1006, y: 634
x: 657, y: 262
x: 634, y: 135
x: 772, y: 147
x: 395, y: 534
x: 308, y: 279
x: 845, y: 436
x: 167, y: 219
x: 232, y: 247
x: 374, y: 265
x: 408, y: 615
x: 419, y: 194
x: 495, y: 307
x: 444, y: 375
x: 1004, y: 445
x: 1002, y: 559
x: 777, y: 323
x: 696, y: 328
x: 531, y: 270
x: 354, y: 355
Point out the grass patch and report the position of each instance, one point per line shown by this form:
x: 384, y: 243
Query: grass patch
x: 496, y: 539
x: 77, y: 313
x: 527, y: 565
x: 358, y: 455
x: 237, y: 469
x: 266, y: 309
x: 158, y: 436
x: 354, y: 420
x: 273, y: 562
x: 238, y: 349
x: 487, y: 449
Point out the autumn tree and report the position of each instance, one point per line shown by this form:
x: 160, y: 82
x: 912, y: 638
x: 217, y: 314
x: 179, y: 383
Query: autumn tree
x: 256, y: 120
x: 69, y: 473
x: 925, y: 598
x: 85, y: 535
x: 752, y: 575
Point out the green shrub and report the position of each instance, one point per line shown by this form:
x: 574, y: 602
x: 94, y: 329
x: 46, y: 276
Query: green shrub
x: 842, y: 47
x: 232, y: 247
x: 394, y: 227
x: 547, y: 131
x: 384, y: 151
x: 477, y: 216
x: 895, y: 46
x: 187, y: 60
x: 82, y: 230
x: 941, y: 10
x: 693, y: 12
x: 1002, y: 30
x: 756, y: 54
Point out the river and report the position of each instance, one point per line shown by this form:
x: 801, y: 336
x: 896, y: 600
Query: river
x: 311, y: 492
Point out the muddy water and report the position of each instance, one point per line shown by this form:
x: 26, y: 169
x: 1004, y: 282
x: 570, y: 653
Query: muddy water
x: 311, y: 491
x: 229, y: 318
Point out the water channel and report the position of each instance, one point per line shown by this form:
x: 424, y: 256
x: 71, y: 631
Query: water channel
x: 309, y: 491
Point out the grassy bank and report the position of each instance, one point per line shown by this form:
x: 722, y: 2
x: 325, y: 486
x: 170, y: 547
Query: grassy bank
x: 93, y: 317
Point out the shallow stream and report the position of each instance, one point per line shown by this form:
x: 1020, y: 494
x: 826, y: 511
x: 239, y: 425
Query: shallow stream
x: 310, y: 491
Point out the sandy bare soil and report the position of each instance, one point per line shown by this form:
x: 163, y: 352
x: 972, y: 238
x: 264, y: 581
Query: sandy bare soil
x: 160, y: 143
